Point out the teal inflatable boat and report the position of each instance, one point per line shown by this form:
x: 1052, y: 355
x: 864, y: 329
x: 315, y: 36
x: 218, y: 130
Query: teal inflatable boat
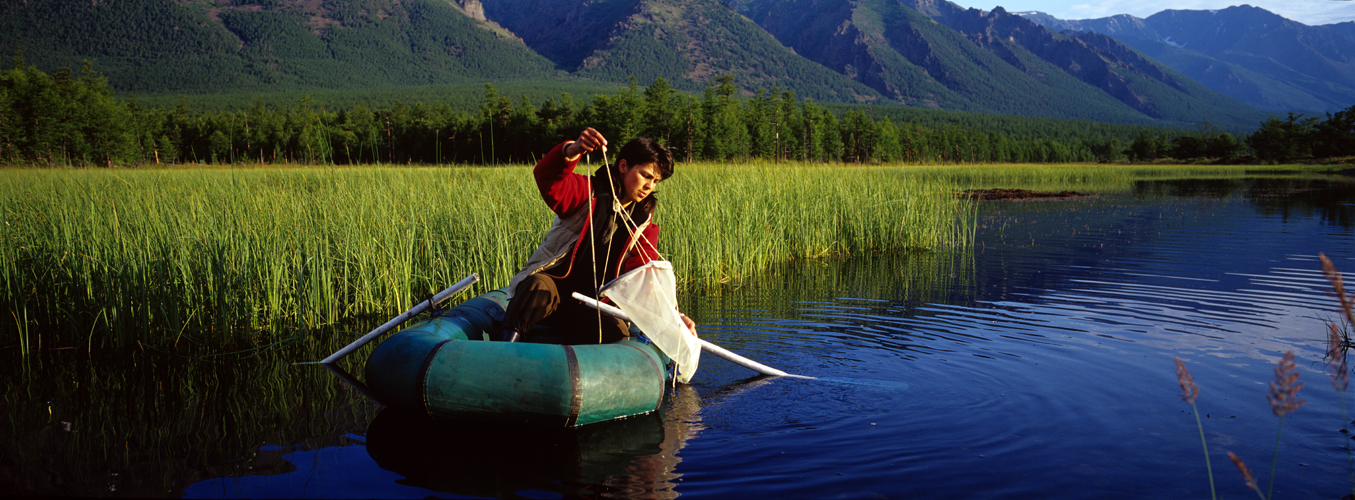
x: 442, y: 366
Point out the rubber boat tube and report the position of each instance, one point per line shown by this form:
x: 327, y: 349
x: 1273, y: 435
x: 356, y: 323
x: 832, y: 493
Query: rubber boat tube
x: 432, y: 367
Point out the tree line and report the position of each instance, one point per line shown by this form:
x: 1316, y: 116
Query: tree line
x: 71, y: 118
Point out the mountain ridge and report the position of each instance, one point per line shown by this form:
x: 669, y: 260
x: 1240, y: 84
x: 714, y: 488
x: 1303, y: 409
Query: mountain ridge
x: 923, y: 53
x: 991, y: 61
x: 1245, y: 52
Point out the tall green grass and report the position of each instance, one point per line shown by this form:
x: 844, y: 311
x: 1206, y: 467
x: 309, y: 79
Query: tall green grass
x: 725, y: 223
x: 1097, y: 178
x: 254, y: 256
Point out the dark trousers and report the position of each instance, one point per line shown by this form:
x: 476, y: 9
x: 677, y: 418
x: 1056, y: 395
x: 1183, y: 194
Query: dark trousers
x: 538, y: 301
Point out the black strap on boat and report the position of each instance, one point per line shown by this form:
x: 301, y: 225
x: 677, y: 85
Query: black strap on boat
x: 433, y: 308
x: 575, y: 387
x: 657, y: 369
x: 423, y: 374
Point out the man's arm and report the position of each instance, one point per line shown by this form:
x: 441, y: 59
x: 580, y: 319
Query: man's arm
x: 563, y: 190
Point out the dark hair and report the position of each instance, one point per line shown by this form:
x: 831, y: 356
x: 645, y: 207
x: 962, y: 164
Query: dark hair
x: 640, y: 151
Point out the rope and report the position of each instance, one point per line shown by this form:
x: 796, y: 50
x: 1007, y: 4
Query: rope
x: 592, y: 232
x: 632, y: 229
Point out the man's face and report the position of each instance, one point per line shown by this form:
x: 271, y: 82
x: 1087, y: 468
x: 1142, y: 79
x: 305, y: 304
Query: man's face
x: 638, y: 181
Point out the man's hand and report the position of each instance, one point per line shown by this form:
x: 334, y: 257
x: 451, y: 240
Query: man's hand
x: 691, y: 325
x: 589, y: 140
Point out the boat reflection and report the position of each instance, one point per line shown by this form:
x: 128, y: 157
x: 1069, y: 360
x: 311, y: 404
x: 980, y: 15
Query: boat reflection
x: 632, y: 457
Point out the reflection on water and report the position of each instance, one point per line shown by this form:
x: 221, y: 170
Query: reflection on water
x: 150, y: 424
x: 1044, y: 369
x: 1037, y: 366
x: 1327, y: 198
x: 630, y: 458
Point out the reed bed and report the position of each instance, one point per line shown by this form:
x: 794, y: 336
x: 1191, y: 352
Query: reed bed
x: 256, y: 256
x: 724, y: 223
x: 1099, y: 178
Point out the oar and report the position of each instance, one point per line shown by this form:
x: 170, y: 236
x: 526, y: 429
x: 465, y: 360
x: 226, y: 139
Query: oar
x: 394, y: 322
x: 709, y: 347
x: 353, y: 382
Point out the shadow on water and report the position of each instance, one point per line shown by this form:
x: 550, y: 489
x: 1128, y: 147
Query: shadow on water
x: 627, y: 458
x: 500, y: 459
x: 149, y: 424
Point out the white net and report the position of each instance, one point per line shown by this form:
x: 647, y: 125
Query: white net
x: 648, y: 294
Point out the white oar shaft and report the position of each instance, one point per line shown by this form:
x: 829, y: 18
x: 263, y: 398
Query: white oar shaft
x: 709, y: 347
x: 394, y: 322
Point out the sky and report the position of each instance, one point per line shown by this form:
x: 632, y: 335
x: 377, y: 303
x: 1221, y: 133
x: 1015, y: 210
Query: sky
x: 1310, y: 12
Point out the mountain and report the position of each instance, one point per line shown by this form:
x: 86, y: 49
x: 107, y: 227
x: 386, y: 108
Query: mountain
x: 922, y: 53
x: 1096, y: 60
x: 219, y: 45
x: 1245, y: 52
x: 935, y: 53
x: 687, y: 42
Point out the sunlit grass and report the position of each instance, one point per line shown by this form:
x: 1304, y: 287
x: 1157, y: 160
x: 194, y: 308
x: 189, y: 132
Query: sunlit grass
x: 160, y: 258
x: 1096, y: 177
x: 724, y: 223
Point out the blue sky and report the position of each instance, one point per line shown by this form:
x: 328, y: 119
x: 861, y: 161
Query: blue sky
x: 1310, y: 12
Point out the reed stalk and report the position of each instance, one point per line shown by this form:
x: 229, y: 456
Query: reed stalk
x: 1283, y: 400
x: 1338, y: 343
x: 1190, y: 391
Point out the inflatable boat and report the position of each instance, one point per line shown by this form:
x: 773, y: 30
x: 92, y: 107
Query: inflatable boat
x: 444, y: 366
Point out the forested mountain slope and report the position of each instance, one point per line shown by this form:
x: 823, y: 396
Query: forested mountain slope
x: 922, y: 53
x: 218, y: 46
x: 1096, y: 60
x: 934, y: 53
x: 1245, y: 52
x: 687, y: 42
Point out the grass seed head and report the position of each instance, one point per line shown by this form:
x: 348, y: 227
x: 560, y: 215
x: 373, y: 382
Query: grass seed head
x: 1246, y: 473
x: 1189, y: 391
x: 1285, y: 389
x: 1338, y: 286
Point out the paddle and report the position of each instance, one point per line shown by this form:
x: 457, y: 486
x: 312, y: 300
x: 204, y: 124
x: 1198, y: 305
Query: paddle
x: 394, y: 322
x: 705, y: 345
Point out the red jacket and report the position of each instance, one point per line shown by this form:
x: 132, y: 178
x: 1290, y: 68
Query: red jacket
x: 566, y: 193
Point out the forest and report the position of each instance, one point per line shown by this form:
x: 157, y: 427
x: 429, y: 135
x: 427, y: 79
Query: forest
x: 71, y: 118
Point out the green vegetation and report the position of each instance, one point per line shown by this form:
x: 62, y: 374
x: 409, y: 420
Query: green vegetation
x: 702, y: 39
x: 1298, y: 137
x: 218, y: 257
x: 978, y: 79
x: 61, y: 119
x: 725, y: 223
x: 866, y: 52
x: 149, y: 46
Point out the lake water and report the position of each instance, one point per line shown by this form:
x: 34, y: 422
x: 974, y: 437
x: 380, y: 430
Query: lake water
x: 1039, y: 365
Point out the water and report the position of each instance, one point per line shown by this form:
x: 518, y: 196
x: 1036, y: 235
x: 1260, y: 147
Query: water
x: 1039, y: 365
